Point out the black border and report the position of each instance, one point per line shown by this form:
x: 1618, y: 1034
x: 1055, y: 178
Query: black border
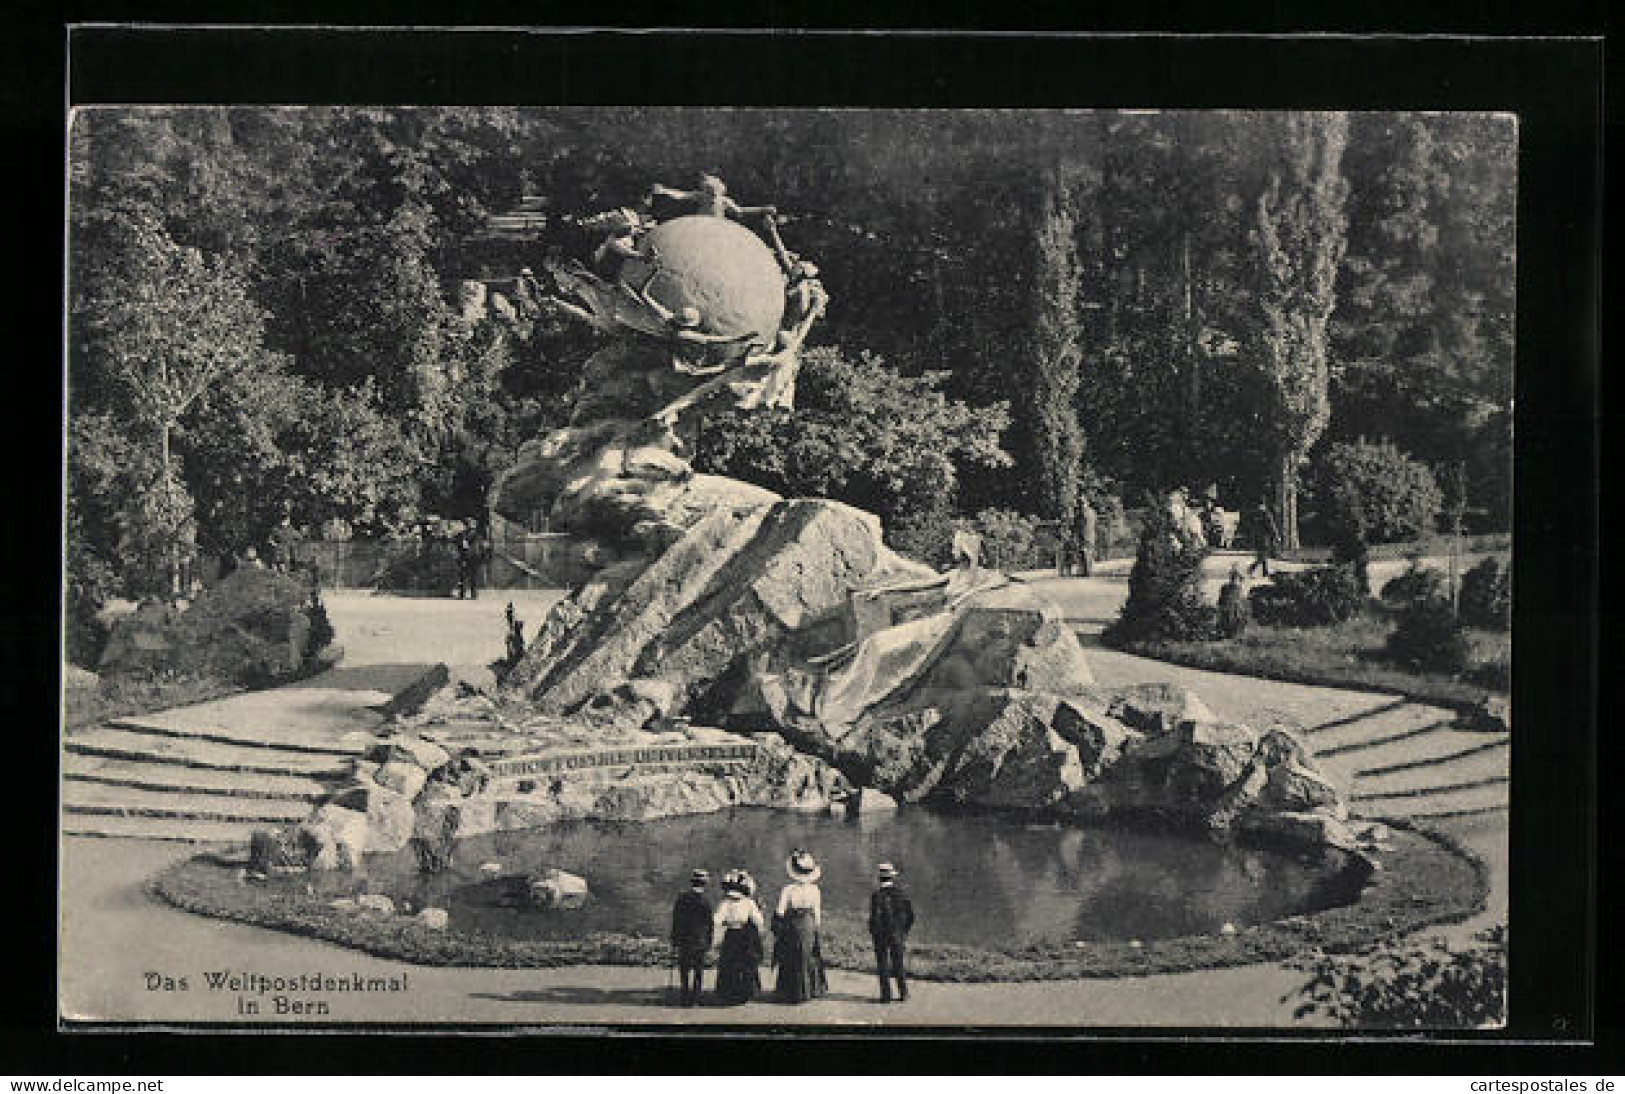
x: 1554, y: 86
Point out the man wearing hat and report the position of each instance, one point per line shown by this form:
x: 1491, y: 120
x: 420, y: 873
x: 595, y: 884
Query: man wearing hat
x: 691, y: 935
x: 890, y: 916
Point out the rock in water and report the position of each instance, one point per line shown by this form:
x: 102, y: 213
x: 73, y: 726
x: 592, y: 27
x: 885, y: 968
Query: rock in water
x: 556, y: 889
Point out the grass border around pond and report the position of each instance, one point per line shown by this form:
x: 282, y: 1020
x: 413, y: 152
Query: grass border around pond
x: 1426, y: 878
x: 1225, y: 656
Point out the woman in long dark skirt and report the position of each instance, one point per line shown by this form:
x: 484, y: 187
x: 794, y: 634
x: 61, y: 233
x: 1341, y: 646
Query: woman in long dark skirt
x: 737, y: 929
x: 795, y: 932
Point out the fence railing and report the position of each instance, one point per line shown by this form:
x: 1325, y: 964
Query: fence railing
x: 532, y: 560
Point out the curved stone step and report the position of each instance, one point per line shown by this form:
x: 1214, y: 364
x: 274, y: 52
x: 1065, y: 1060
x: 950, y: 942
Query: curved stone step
x: 124, y: 801
x: 1434, y: 751
x: 156, y: 828
x: 1493, y: 763
x: 124, y: 744
x: 158, y: 728
x: 1430, y: 791
x: 146, y: 775
x: 1444, y: 803
x: 1384, y: 725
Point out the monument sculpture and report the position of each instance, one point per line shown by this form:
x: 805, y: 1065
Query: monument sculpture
x: 697, y: 311
x: 782, y: 634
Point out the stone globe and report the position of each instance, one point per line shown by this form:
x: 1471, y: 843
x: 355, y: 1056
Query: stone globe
x: 717, y: 266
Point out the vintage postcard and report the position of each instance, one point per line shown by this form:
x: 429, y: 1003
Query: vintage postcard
x: 702, y: 566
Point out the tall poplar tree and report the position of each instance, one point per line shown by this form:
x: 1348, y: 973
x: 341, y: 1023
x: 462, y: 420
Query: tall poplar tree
x: 1057, y: 330
x: 1298, y: 241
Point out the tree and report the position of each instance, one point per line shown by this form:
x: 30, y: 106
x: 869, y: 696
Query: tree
x: 1298, y: 241
x: 1056, y: 356
x: 861, y: 433
x: 162, y: 325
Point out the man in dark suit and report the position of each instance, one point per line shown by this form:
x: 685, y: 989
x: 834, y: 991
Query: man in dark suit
x: 890, y: 917
x: 691, y: 935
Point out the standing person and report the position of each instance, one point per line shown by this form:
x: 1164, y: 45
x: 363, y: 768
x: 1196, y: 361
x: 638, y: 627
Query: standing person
x: 468, y: 562
x: 796, y: 925
x: 1266, y: 537
x: 891, y: 914
x: 737, y: 927
x: 1088, y: 532
x: 691, y: 928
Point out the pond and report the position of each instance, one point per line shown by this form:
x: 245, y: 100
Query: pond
x: 975, y: 879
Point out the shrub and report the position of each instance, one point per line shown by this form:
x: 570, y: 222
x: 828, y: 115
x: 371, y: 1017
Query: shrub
x: 1423, y: 986
x: 1164, y: 588
x: 321, y: 633
x: 1320, y: 597
x: 1486, y: 596
x: 924, y: 535
x: 1376, y: 489
x: 1234, y: 614
x: 513, y: 640
x: 1010, y: 540
x: 1417, y: 582
x: 1428, y: 638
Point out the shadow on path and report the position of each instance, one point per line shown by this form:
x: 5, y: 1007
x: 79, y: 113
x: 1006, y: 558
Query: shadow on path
x: 586, y: 996
x: 390, y: 676
x: 580, y: 995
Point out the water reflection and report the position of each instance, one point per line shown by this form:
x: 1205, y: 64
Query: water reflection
x: 973, y: 879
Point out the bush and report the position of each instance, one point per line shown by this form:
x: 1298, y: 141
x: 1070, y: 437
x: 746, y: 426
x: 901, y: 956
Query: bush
x: 321, y: 628
x: 924, y: 535
x: 1426, y: 986
x: 1234, y: 614
x: 1376, y: 489
x: 1417, y: 582
x: 1010, y: 540
x: 1486, y: 596
x: 1164, y: 588
x: 1429, y: 639
x: 1321, y: 597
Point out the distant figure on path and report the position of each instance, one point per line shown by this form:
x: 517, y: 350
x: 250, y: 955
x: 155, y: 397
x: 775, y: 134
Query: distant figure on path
x: 796, y: 925
x: 891, y: 914
x: 1266, y: 537
x: 737, y: 927
x: 691, y: 926
x: 468, y: 565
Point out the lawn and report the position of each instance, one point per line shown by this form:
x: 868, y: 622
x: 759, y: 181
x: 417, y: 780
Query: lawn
x: 126, y: 696
x: 1347, y: 655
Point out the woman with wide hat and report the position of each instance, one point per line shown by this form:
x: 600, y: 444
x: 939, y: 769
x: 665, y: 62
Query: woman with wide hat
x: 738, y: 927
x: 795, y: 932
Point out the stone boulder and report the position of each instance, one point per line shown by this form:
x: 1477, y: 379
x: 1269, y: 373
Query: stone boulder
x: 251, y: 628
x: 376, y: 902
x: 404, y: 778
x: 274, y: 851
x: 436, y: 919
x: 557, y: 889
x: 868, y: 801
x: 411, y: 749
x: 1157, y: 708
x: 739, y: 583
x: 343, y: 829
